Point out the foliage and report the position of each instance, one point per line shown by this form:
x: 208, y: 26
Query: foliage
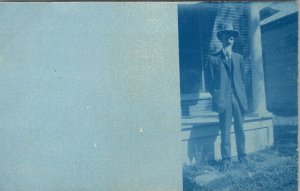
x: 266, y: 170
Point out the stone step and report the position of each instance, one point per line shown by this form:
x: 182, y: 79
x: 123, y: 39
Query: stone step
x: 196, y: 107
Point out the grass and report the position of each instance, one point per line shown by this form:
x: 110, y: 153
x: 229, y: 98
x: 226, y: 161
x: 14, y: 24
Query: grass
x: 266, y: 170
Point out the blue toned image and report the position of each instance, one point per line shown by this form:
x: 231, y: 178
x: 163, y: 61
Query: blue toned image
x: 148, y: 96
x: 238, y: 87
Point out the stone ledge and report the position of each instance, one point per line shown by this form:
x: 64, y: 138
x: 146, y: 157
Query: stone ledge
x: 209, y: 120
x: 202, y: 137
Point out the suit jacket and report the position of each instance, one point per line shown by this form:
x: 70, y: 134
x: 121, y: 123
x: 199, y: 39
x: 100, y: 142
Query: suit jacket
x: 219, y: 78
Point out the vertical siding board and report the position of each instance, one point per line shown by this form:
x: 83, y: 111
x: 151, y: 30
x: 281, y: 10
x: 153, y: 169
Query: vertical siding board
x: 280, y: 50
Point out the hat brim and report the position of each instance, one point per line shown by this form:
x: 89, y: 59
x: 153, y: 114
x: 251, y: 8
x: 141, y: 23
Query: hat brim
x: 232, y: 32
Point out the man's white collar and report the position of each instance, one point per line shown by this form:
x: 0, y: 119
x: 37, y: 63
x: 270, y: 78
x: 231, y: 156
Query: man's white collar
x: 225, y: 52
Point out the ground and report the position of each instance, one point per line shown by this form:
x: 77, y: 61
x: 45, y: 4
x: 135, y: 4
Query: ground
x: 274, y: 168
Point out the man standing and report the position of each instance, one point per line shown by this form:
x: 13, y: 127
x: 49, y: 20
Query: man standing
x: 226, y: 72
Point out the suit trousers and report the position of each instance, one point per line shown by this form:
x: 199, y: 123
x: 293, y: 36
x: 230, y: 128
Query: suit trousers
x: 232, y: 110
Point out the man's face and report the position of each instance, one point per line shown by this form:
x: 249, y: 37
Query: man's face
x: 228, y: 40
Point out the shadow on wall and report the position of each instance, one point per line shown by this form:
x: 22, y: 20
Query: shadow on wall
x: 201, y: 143
x: 195, y: 26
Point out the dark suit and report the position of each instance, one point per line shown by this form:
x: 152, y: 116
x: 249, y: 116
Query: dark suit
x: 229, y: 99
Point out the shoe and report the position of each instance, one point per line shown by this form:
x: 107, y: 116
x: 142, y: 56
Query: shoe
x: 243, y: 160
x: 225, y: 165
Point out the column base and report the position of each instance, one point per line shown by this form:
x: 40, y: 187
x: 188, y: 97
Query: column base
x: 261, y: 114
x: 204, y: 95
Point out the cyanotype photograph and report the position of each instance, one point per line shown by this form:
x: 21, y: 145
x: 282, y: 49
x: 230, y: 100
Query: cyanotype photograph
x: 149, y: 96
x: 238, y: 82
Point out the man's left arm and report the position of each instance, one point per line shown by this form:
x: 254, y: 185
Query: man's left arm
x: 242, y: 66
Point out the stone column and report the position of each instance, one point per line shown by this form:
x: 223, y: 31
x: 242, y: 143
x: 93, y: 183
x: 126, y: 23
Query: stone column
x: 258, y: 82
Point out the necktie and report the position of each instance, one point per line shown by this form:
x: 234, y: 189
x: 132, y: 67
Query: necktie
x: 228, y: 59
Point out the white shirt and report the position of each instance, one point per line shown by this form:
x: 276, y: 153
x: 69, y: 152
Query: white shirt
x: 227, y: 53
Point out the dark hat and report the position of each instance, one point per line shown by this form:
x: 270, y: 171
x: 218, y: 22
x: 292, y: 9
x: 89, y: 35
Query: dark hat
x: 227, y: 28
